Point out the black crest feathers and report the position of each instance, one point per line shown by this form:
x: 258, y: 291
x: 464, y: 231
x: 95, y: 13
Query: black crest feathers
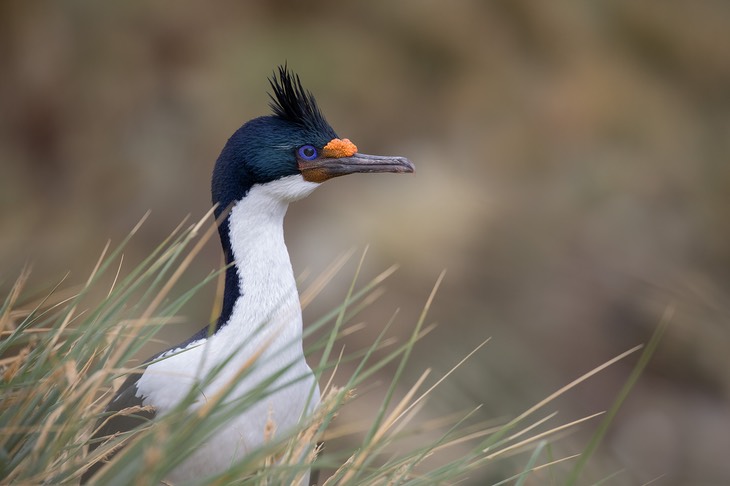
x: 290, y: 101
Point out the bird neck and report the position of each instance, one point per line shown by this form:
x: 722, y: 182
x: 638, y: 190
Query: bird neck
x: 260, y: 288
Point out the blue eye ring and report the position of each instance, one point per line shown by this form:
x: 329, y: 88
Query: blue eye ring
x: 307, y: 152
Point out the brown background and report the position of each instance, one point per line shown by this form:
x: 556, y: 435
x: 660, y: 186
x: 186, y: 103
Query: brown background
x: 573, y: 178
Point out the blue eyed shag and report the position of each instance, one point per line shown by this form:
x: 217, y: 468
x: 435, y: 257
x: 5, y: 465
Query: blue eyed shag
x: 267, y: 163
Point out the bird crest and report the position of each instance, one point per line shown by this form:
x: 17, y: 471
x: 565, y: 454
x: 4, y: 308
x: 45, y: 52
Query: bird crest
x: 291, y: 102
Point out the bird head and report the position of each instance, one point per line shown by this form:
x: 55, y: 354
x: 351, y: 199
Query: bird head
x: 295, y: 143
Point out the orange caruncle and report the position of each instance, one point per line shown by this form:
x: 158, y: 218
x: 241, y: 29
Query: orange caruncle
x: 337, y: 148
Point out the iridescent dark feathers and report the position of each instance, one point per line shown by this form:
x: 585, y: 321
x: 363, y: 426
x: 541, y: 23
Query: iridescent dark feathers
x: 291, y: 102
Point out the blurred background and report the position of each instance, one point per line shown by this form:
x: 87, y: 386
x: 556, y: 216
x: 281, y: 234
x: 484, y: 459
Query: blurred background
x: 573, y: 177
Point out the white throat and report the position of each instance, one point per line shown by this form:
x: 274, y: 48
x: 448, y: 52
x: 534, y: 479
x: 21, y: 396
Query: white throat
x: 268, y: 293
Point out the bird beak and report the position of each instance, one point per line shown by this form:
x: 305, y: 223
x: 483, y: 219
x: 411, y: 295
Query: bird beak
x: 320, y: 170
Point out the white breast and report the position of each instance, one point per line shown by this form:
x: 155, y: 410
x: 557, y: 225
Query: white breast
x: 266, y: 318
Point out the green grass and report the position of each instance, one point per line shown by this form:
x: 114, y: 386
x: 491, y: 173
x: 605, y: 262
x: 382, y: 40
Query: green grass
x: 60, y: 356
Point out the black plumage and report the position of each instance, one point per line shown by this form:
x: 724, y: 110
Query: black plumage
x: 291, y: 102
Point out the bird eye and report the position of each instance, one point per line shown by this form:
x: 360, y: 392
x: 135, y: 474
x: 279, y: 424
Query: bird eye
x: 307, y: 152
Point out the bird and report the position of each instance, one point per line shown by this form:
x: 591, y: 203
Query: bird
x: 268, y: 163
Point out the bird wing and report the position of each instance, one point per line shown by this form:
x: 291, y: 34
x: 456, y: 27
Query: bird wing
x: 114, y: 422
x: 127, y: 400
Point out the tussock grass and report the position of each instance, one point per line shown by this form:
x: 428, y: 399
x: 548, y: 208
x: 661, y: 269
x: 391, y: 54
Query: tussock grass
x: 59, y: 359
